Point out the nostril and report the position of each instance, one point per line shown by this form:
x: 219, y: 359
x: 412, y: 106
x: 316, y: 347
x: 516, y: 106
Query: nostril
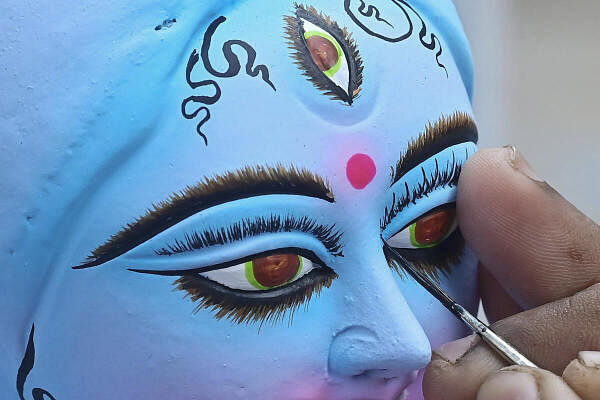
x: 388, y: 374
x: 379, y: 373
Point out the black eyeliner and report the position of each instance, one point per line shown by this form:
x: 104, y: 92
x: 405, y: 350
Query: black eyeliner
x: 284, y: 250
x: 275, y: 295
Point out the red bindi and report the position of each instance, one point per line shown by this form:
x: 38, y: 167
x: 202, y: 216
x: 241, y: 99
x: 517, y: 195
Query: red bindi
x: 360, y: 170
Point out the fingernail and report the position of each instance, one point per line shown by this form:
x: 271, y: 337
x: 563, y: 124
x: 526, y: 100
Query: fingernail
x: 453, y: 351
x: 590, y: 359
x: 520, y: 164
x: 506, y: 385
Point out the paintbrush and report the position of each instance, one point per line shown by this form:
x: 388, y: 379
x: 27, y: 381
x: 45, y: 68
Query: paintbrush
x: 499, y: 345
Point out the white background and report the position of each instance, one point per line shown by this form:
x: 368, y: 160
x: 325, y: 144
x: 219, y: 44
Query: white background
x: 537, y: 86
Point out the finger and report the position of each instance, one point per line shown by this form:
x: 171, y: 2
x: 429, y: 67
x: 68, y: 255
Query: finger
x: 525, y: 383
x: 583, y: 375
x: 497, y: 304
x: 535, y: 243
x: 550, y: 336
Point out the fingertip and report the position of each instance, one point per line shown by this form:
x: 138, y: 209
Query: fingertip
x: 483, y: 181
x: 590, y: 359
x: 583, y: 374
x: 439, y: 379
x: 452, y: 352
x: 476, y: 174
x: 526, y: 383
x: 497, y: 178
x: 523, y: 231
x: 509, y: 384
x: 457, y: 369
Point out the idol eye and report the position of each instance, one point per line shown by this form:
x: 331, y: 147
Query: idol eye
x: 432, y: 243
x: 262, y: 273
x: 259, y: 288
x: 326, y: 53
x: 428, y: 231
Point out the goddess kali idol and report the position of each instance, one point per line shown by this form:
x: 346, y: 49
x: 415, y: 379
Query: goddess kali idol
x: 201, y: 197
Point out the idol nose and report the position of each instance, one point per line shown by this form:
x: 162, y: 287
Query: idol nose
x: 359, y: 351
x: 381, y: 337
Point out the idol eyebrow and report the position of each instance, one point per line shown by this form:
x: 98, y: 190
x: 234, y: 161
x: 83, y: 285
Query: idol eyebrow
x: 447, y: 131
x: 212, y: 191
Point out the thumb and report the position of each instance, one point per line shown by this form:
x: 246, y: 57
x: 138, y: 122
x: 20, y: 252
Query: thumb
x: 525, y: 383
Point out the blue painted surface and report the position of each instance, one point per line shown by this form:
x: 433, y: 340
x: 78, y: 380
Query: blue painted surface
x: 95, y: 136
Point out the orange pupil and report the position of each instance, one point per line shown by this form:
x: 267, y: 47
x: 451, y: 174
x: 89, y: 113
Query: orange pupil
x: 434, y: 227
x: 276, y: 269
x: 323, y: 52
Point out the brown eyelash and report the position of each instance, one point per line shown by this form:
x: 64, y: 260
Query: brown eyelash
x: 252, y: 307
x: 302, y: 57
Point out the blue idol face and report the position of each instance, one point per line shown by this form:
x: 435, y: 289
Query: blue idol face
x: 207, y: 218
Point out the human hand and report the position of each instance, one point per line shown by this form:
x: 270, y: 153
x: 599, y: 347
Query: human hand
x: 537, y: 253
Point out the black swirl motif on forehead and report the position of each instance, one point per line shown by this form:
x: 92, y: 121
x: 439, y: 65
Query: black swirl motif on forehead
x: 396, y: 27
x: 233, y: 69
x: 325, y: 53
x: 372, y: 11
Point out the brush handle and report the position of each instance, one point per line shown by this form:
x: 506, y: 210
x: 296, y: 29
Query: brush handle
x: 499, y: 345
